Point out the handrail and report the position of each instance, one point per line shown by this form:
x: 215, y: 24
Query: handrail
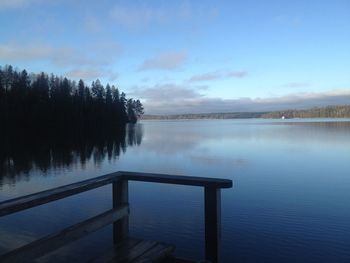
x: 24, y: 202
x: 119, y: 180
x: 177, y: 179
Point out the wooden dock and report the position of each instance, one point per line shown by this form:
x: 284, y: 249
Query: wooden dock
x: 125, y: 249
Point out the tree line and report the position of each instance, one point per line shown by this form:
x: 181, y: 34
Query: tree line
x: 340, y: 111
x: 49, y: 101
x: 195, y: 116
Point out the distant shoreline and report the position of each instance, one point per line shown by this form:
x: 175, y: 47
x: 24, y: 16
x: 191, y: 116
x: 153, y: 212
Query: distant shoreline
x: 340, y: 111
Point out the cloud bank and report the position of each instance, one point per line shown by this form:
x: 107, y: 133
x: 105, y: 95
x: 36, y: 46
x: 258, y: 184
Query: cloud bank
x: 162, y: 94
x: 174, y: 99
x: 76, y: 63
x: 215, y: 75
x: 20, y: 53
x: 237, y: 74
x: 92, y: 74
x: 144, y: 15
x: 165, y: 61
x: 132, y: 17
x: 4, y: 4
x: 205, y: 77
x: 296, y: 85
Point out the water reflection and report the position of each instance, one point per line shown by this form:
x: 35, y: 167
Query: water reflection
x: 22, y: 152
x: 289, y: 202
x: 179, y: 137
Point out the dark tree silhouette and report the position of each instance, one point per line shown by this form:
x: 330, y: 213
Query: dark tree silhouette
x: 46, y: 102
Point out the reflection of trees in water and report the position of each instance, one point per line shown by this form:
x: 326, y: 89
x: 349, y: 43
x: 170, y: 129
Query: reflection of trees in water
x: 134, y: 134
x: 22, y: 151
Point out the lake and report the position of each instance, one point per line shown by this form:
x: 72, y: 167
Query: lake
x: 290, y: 200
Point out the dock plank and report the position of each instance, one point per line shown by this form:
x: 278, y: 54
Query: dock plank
x: 121, y: 249
x: 52, y: 242
x: 156, y: 253
x: 135, y: 251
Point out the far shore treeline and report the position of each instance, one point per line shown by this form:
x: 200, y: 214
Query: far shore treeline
x: 340, y: 111
x: 48, y: 101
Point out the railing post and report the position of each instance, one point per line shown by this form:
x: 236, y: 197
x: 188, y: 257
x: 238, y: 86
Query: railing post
x: 120, y: 197
x: 212, y: 210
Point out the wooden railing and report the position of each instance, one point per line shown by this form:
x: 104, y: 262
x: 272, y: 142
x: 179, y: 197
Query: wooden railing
x: 118, y: 216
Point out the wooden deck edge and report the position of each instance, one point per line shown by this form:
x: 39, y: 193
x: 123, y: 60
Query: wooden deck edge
x: 50, y: 243
x: 136, y: 251
x: 173, y: 259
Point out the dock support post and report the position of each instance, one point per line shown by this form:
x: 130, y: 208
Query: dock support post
x: 120, y: 198
x: 212, y: 200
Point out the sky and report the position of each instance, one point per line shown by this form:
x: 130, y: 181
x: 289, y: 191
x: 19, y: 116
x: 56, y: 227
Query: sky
x: 189, y: 56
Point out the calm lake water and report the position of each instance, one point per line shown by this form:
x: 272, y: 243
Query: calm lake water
x: 290, y: 200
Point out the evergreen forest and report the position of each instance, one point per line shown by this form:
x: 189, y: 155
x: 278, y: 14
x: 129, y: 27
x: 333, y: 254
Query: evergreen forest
x: 49, y: 102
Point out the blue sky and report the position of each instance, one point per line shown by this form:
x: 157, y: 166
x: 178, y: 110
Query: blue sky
x: 189, y: 56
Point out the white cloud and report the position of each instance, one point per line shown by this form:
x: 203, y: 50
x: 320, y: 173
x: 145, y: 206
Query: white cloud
x: 205, y: 77
x: 164, y: 93
x: 102, y: 55
x: 175, y: 99
x: 165, y: 61
x: 237, y: 74
x: 296, y: 85
x: 76, y: 64
x: 59, y: 56
x: 85, y: 74
x: 70, y: 56
x: 141, y: 16
x: 217, y: 75
x: 92, y: 74
x: 4, y: 4
x: 20, y: 53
